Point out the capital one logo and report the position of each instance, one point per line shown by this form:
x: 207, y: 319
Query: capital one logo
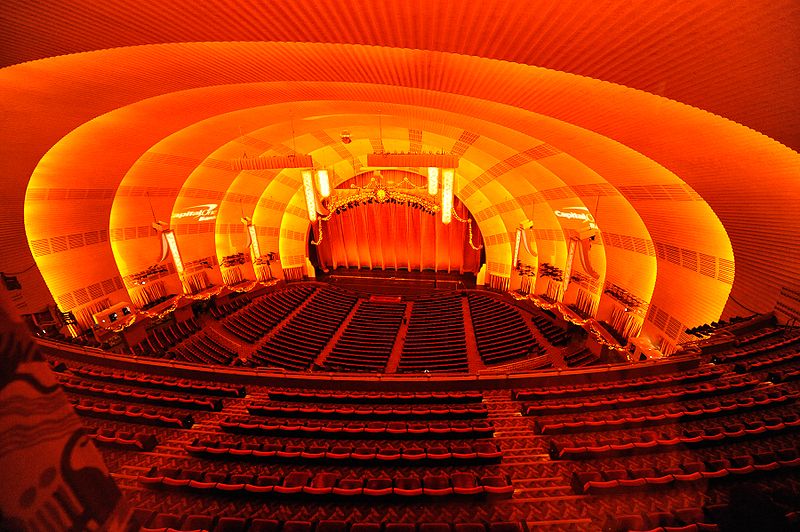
x: 582, y: 215
x: 203, y: 213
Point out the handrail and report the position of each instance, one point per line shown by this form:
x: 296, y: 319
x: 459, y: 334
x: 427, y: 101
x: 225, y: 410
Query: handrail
x: 370, y: 381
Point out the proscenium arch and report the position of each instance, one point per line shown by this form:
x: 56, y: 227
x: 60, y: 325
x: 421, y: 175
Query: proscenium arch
x: 578, y: 109
x: 212, y: 165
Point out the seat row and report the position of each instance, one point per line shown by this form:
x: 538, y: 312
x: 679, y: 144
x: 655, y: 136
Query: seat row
x: 477, y: 452
x: 110, y: 391
x: 773, y: 345
x: 252, y: 323
x: 162, y: 383
x: 221, y: 311
x: 642, y: 383
x: 300, y: 341
x: 679, y: 414
x: 359, y: 430
x: 679, y: 520
x: 619, y: 480
x: 369, y: 412
x: 554, y: 334
x: 768, y: 361
x: 204, y: 349
x: 160, y: 339
x: 647, y: 443
x: 329, y: 484
x: 132, y: 414
x: 627, y: 401
x: 372, y: 332
x: 146, y: 520
x: 581, y: 358
x: 436, y: 340
x: 758, y: 336
x: 784, y: 375
x: 500, y: 332
x: 376, y: 397
x: 134, y: 441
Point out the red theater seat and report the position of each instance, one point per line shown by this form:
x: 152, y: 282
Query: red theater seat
x: 321, y: 484
x: 349, y: 487
x: 407, y: 486
x: 434, y: 527
x: 294, y: 482
x: 331, y: 526
x: 469, y: 527
x: 297, y: 526
x: 365, y: 527
x: 437, y: 485
x: 465, y: 484
x: 378, y: 487
x: 400, y: 527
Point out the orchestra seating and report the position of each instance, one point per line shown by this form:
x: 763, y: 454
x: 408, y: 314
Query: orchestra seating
x: 161, y: 338
x: 580, y: 358
x: 436, y: 340
x: 302, y: 339
x: 500, y: 331
x: 204, y: 349
x: 220, y: 311
x: 367, y: 342
x: 255, y: 320
x: 553, y: 333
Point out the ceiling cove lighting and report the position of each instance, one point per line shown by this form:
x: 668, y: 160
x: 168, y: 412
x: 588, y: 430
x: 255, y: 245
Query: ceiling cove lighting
x: 433, y: 180
x: 448, y: 177
x: 412, y: 160
x: 308, y: 188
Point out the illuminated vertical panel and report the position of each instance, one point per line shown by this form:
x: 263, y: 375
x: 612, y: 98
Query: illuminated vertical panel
x: 308, y: 188
x: 433, y: 180
x: 173, y: 249
x: 324, y: 183
x: 573, y: 243
x: 448, y: 176
x: 254, y: 241
x: 516, y: 248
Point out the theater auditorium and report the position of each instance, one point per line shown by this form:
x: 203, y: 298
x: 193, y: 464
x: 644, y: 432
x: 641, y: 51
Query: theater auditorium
x: 400, y: 266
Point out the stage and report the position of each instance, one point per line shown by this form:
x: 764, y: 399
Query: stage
x: 397, y: 282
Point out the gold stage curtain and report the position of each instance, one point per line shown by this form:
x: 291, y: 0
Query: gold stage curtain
x: 388, y: 236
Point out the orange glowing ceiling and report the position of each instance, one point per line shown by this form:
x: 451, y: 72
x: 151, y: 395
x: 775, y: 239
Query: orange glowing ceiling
x: 677, y: 115
x: 735, y: 58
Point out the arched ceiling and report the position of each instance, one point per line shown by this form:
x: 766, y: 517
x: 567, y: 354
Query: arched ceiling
x: 631, y: 111
x: 728, y: 57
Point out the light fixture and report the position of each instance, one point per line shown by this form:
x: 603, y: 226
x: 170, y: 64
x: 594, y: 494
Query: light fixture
x: 517, y: 242
x: 254, y: 241
x: 433, y: 180
x: 448, y: 177
x: 324, y: 183
x: 308, y: 188
x: 169, y: 235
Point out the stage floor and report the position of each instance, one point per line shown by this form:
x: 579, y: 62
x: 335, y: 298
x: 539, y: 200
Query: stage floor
x: 397, y: 282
